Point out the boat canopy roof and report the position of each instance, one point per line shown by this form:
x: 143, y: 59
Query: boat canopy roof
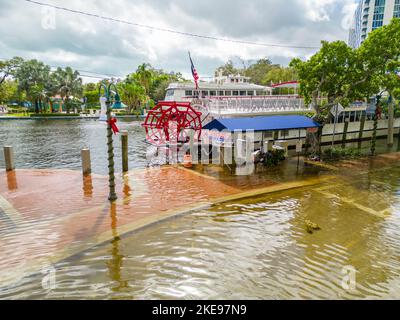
x: 268, y: 123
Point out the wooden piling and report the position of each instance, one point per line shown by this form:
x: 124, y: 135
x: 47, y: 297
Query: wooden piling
x: 390, y: 140
x: 9, y: 158
x: 124, y: 148
x: 344, y: 138
x: 86, y: 163
x: 362, y: 125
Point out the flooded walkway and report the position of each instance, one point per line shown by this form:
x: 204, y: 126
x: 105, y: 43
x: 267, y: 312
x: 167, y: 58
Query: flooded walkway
x: 51, y: 216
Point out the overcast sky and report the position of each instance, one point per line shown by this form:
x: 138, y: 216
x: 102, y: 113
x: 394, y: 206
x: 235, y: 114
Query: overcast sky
x: 106, y: 47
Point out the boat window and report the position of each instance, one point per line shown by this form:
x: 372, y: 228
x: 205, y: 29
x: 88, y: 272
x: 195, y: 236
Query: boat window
x: 250, y: 93
x: 260, y: 93
x: 170, y: 93
x: 359, y: 116
x: 235, y: 93
x: 204, y: 93
x: 268, y: 134
x: 213, y: 93
x: 352, y: 116
x: 242, y: 93
x: 188, y: 93
x: 228, y: 93
x: 220, y: 93
x: 284, y: 133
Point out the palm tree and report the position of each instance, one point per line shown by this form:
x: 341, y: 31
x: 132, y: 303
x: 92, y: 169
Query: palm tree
x: 144, y: 76
x: 68, y: 83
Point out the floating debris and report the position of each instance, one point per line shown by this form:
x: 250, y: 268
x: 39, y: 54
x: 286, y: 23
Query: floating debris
x: 311, y: 226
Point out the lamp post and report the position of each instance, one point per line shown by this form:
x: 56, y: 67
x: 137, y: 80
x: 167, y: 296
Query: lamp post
x: 111, y: 94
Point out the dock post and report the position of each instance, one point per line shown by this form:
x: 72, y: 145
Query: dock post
x: 362, y: 125
x: 86, y: 163
x: 124, y: 148
x: 9, y: 158
x: 346, y: 127
x: 390, y: 140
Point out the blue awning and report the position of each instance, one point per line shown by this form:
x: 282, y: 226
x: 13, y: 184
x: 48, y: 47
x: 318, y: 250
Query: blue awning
x: 269, y: 123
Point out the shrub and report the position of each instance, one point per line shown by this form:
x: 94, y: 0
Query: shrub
x: 339, y: 153
x: 272, y: 158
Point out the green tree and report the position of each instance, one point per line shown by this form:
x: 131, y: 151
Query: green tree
x: 332, y: 73
x: 144, y: 76
x: 160, y: 83
x: 68, y: 84
x: 34, y: 79
x: 259, y: 70
x: 380, y: 62
x: 91, y: 94
x: 279, y: 74
x: 90, y: 87
x: 132, y: 94
x: 9, y: 91
x: 227, y: 69
x: 9, y: 67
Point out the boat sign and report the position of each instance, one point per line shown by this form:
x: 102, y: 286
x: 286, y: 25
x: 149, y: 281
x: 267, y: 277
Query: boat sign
x: 299, y: 146
x: 337, y: 109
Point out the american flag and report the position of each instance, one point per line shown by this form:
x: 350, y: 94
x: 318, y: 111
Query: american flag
x: 194, y: 73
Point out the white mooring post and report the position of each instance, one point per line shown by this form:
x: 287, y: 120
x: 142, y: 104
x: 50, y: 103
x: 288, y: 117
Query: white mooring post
x: 9, y: 158
x: 86, y: 163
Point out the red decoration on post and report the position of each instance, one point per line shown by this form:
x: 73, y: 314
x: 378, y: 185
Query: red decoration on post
x: 112, y: 124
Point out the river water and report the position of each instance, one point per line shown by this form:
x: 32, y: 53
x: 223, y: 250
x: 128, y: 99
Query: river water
x: 255, y: 248
x: 56, y: 144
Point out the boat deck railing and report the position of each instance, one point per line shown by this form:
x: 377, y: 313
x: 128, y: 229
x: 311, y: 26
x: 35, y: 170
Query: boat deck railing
x: 251, y: 105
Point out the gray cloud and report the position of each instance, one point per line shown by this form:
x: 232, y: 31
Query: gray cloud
x: 92, y: 44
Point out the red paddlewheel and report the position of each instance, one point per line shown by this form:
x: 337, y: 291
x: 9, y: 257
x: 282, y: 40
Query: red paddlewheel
x: 171, y: 122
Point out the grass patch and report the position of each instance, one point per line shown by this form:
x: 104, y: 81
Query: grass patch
x: 54, y: 115
x: 17, y: 115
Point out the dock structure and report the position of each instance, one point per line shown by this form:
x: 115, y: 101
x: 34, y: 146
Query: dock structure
x: 264, y: 131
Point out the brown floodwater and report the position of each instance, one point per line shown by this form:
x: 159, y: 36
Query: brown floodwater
x: 254, y: 248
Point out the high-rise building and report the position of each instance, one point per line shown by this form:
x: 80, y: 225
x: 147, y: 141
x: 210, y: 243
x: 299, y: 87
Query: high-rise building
x: 370, y: 15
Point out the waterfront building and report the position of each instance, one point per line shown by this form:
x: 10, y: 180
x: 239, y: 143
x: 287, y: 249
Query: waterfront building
x: 371, y: 15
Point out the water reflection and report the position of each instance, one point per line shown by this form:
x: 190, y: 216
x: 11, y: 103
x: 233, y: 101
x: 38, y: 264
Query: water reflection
x: 115, y: 263
x: 126, y: 190
x: 253, y: 248
x: 87, y: 186
x: 12, y: 180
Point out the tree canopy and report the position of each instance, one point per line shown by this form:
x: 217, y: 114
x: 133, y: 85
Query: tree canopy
x: 8, y: 68
x: 342, y: 74
x: 35, y: 81
x: 262, y: 72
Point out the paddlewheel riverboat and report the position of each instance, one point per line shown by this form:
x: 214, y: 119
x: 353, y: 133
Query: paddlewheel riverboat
x: 235, y: 96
